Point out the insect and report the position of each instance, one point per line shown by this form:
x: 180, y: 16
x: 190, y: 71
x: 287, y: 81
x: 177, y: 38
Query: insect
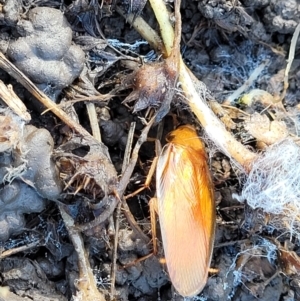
x: 186, y: 210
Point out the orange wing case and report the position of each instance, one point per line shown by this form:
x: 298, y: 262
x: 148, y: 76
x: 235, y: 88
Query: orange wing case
x: 186, y: 210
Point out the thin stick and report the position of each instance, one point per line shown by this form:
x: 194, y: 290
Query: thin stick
x: 290, y: 61
x: 93, y: 120
x: 128, y: 172
x: 213, y: 126
x: 96, y: 98
x: 165, y: 26
x: 12, y: 100
x: 118, y: 212
x: 153, y: 213
x: 128, y: 146
x: 253, y: 76
x: 141, y: 26
x: 7, y: 66
x: 27, y: 247
x: 126, y: 177
x: 115, y: 253
x: 86, y: 285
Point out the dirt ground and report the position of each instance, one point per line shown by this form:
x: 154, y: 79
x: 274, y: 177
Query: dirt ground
x: 85, y: 57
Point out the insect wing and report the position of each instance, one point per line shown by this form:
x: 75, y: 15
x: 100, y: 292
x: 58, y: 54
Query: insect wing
x: 187, y: 216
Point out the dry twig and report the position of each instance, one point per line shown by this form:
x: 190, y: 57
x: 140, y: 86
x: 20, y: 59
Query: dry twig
x: 7, y: 66
x: 86, y: 285
x: 12, y: 100
x: 290, y: 61
x: 118, y: 211
x: 24, y: 248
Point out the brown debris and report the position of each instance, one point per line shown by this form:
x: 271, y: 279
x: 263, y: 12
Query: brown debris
x: 10, y: 133
x: 151, y: 83
x: 265, y: 131
x: 289, y: 261
x: 92, y: 172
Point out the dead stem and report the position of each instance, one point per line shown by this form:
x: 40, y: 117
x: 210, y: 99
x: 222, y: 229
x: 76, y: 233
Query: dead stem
x: 7, y: 66
x: 190, y: 84
x: 118, y: 212
x: 96, y: 98
x: 86, y: 285
x: 93, y: 120
x: 27, y: 247
x: 289, y: 62
x: 128, y: 146
x: 248, y: 83
x: 115, y: 255
x: 141, y: 26
x: 165, y: 26
x: 12, y: 100
x: 126, y: 178
x: 128, y: 172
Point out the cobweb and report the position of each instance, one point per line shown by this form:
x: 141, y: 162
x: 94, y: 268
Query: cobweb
x: 274, y: 185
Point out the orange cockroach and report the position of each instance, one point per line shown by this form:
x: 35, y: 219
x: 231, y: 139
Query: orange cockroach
x: 186, y: 210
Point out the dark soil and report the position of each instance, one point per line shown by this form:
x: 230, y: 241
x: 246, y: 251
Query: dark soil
x: 90, y: 51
